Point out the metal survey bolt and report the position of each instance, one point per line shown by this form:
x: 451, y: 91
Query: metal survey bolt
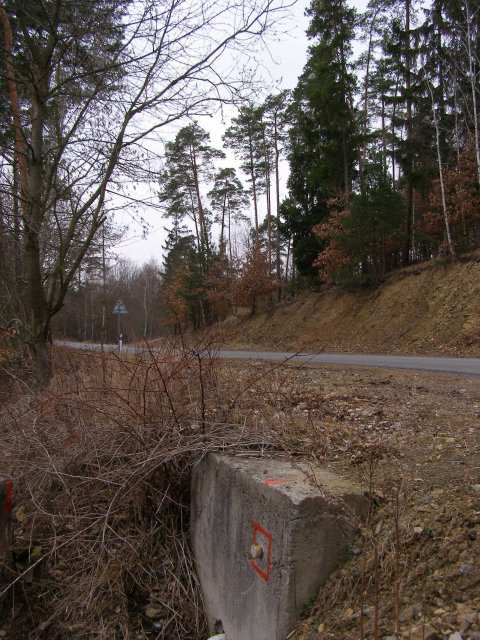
x: 256, y: 552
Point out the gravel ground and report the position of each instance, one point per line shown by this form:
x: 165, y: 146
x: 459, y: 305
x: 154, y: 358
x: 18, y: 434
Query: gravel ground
x: 414, y: 439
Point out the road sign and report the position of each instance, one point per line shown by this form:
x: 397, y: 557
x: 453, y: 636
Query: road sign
x: 120, y: 309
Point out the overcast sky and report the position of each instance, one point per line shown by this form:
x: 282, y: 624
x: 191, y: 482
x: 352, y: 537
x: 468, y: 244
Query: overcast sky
x: 280, y: 63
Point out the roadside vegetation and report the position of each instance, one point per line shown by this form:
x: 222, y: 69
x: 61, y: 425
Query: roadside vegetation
x: 418, y: 310
x: 383, y: 150
x: 101, y: 464
x: 102, y: 115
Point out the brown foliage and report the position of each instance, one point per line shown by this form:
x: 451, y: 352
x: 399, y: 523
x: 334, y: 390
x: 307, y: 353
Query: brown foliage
x: 463, y: 204
x: 333, y: 257
x: 101, y: 465
x: 254, y: 281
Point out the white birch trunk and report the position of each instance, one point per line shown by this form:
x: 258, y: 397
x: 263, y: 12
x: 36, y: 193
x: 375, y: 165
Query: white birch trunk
x: 440, y: 173
x: 471, y: 73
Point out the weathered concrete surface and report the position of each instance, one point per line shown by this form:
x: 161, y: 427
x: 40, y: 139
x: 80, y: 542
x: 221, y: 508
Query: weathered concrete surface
x: 266, y: 534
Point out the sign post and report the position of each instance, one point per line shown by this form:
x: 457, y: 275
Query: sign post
x: 6, y: 504
x: 119, y: 310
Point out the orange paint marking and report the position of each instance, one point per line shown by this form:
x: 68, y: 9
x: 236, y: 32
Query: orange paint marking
x: 274, y: 482
x: 260, y: 532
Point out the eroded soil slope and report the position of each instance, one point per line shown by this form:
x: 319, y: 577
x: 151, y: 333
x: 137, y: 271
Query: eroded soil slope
x: 429, y: 308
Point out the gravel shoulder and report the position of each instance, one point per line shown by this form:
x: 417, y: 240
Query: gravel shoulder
x: 420, y: 435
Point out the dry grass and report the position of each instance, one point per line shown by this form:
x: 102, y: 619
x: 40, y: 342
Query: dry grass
x: 102, y: 462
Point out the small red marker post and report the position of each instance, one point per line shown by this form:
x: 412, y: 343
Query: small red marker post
x: 6, y: 505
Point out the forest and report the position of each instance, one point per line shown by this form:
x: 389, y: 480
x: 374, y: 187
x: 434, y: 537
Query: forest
x: 269, y: 329
x: 381, y: 136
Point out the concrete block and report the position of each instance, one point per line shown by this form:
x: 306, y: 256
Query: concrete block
x: 266, y: 534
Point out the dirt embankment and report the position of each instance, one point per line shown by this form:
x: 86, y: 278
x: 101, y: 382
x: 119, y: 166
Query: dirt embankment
x: 428, y: 308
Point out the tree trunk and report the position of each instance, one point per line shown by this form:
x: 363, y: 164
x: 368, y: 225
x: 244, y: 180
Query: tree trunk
x: 346, y: 169
x: 16, y: 229
x: 145, y: 308
x: 230, y: 238
x: 408, y: 84
x: 278, y: 258
x: 38, y: 321
x: 30, y: 166
x: 394, y: 112
x: 269, y: 202
x: 287, y: 262
x: 195, y: 221
x: 104, y: 289
x: 384, y: 140
x: 472, y: 76
x: 457, y: 134
x: 440, y: 174
x: 222, y: 226
x: 363, y: 151
x: 254, y: 185
x: 201, y: 213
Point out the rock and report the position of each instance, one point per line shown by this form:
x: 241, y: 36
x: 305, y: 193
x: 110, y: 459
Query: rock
x: 467, y: 619
x: 453, y: 555
x: 465, y: 569
x: 457, y: 596
x: 455, y: 636
x: 407, y: 614
x: 476, y: 488
x: 423, y: 632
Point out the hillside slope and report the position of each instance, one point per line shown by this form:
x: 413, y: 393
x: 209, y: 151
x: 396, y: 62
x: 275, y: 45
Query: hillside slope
x: 428, y: 308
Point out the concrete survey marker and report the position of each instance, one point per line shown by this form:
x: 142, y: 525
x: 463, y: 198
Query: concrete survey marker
x: 266, y: 534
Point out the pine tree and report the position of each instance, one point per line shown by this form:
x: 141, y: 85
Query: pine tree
x: 228, y: 199
x: 276, y: 122
x: 323, y: 138
x: 183, y: 286
x: 189, y: 161
x: 245, y: 137
x: 360, y: 236
x: 402, y: 48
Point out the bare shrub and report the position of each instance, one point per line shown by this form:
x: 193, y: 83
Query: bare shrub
x: 101, y: 463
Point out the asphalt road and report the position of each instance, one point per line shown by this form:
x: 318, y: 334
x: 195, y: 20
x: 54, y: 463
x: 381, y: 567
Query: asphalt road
x: 465, y: 366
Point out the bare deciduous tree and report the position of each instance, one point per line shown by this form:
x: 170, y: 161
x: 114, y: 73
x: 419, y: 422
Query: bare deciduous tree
x: 89, y: 86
